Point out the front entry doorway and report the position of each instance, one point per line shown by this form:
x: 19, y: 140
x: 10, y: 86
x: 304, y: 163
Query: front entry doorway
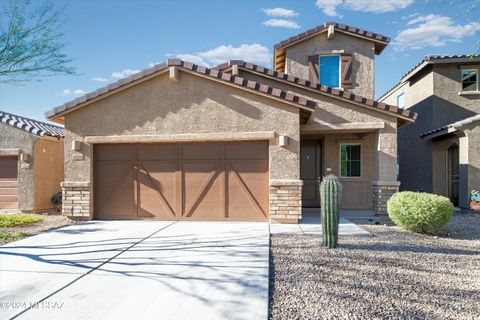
x: 311, y: 172
x: 453, y: 174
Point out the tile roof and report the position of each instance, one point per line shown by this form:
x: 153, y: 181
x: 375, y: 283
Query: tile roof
x: 333, y: 92
x: 455, y: 125
x: 431, y: 58
x: 188, y: 66
x: 339, y: 26
x: 31, y: 126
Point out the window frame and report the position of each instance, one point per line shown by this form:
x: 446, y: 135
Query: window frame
x: 402, y: 94
x: 477, y: 83
x: 339, y: 68
x: 340, y: 160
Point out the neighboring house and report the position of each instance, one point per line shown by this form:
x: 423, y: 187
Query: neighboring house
x: 440, y: 153
x: 31, y: 163
x: 236, y: 142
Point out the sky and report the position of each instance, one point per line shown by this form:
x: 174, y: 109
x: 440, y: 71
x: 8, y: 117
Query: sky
x: 110, y: 39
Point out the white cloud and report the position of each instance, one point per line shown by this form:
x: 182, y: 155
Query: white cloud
x: 255, y: 53
x: 124, y: 73
x: 376, y: 6
x: 410, y: 16
x: 281, y: 23
x: 151, y: 64
x: 74, y: 92
x: 280, y: 12
x: 197, y: 59
x: 99, y: 79
x: 329, y: 7
x: 433, y: 31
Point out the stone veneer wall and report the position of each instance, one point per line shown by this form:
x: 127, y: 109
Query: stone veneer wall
x: 285, y: 200
x: 382, y: 191
x: 76, y: 200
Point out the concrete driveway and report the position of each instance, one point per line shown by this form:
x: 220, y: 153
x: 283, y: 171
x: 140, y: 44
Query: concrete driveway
x: 138, y: 270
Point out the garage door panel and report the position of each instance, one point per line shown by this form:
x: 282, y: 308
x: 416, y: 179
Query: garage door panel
x: 115, y: 196
x: 166, y: 151
x: 247, y: 189
x: 189, y: 181
x: 202, y: 188
x: 8, y: 205
x: 8, y: 183
x: 157, y: 181
x: 8, y: 173
x: 207, y: 202
x: 116, y: 152
x: 202, y: 151
x: 8, y: 191
x: 8, y: 198
x: 253, y: 150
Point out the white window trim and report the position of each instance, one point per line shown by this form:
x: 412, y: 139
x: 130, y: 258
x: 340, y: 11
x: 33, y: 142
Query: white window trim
x: 339, y: 68
x: 478, y: 81
x: 340, y: 160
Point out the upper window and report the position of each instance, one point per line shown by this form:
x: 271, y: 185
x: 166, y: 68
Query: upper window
x: 330, y: 71
x: 350, y: 160
x: 470, y: 80
x: 401, y: 100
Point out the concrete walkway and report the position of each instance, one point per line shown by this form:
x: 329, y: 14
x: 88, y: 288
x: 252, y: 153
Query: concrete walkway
x: 138, y: 270
x: 311, y: 224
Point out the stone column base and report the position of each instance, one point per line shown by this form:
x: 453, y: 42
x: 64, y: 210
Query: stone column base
x: 285, y: 200
x: 382, y: 191
x: 76, y: 200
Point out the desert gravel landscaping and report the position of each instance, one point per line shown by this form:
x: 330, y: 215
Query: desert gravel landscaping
x: 394, y: 275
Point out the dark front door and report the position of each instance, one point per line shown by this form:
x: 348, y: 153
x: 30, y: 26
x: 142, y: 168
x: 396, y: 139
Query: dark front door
x: 310, y: 172
x: 453, y: 174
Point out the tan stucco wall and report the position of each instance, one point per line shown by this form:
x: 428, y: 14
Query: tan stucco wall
x: 379, y: 147
x: 48, y: 172
x: 13, y: 138
x: 363, y: 65
x: 434, y: 94
x: 419, y: 90
x: 329, y: 110
x: 191, y: 105
x: 447, y: 85
x: 357, y: 192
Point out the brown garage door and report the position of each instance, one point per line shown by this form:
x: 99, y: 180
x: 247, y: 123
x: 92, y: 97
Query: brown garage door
x: 188, y: 181
x: 8, y: 183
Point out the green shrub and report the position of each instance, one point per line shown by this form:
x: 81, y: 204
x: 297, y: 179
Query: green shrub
x: 9, y: 236
x: 419, y: 211
x: 18, y: 219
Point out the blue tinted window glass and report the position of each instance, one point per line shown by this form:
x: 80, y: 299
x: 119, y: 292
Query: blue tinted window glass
x: 329, y: 71
x: 401, y: 100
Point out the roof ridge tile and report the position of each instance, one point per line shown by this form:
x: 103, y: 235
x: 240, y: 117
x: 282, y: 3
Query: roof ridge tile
x: 329, y: 90
x: 210, y: 72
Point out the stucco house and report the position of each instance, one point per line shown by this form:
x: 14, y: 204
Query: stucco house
x: 235, y: 142
x: 440, y: 153
x: 31, y: 163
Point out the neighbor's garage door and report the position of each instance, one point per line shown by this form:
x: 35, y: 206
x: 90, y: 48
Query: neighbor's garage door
x: 192, y: 181
x: 8, y: 183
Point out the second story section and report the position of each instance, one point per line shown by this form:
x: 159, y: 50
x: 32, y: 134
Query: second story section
x: 335, y: 55
x: 443, y: 88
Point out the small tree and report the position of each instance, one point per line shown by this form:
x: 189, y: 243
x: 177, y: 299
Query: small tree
x: 30, y: 42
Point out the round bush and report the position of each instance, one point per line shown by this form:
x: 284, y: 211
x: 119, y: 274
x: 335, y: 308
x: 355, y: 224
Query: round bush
x: 419, y: 211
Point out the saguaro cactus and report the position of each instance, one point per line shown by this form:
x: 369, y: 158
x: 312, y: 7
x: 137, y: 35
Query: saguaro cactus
x: 330, y: 197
